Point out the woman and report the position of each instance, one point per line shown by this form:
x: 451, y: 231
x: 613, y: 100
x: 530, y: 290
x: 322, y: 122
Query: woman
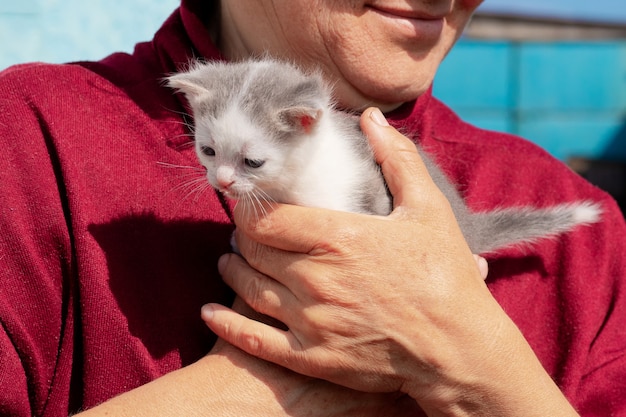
x: 105, y: 264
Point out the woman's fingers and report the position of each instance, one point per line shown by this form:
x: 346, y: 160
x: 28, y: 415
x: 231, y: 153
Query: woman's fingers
x: 259, y: 291
x: 254, y: 337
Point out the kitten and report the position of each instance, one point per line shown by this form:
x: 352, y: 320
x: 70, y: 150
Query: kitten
x: 264, y: 130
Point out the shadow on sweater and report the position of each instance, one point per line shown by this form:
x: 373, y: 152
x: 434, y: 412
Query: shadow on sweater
x: 160, y: 274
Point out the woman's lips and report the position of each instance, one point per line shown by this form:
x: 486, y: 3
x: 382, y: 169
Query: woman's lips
x: 407, y: 13
x: 412, y: 23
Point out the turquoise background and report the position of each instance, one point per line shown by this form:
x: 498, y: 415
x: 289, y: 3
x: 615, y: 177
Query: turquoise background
x: 568, y: 97
x: 69, y: 30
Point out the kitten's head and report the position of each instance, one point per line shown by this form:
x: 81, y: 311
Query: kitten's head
x: 251, y: 118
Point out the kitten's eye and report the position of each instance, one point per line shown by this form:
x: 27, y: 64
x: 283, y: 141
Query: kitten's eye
x: 207, y: 150
x: 253, y: 163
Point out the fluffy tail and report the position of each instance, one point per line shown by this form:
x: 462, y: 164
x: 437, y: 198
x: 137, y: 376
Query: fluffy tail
x: 497, y: 229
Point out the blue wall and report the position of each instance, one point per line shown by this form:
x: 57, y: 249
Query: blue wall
x: 570, y: 98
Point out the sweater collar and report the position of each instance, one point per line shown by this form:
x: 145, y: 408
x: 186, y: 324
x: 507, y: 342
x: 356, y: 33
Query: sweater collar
x: 410, y: 117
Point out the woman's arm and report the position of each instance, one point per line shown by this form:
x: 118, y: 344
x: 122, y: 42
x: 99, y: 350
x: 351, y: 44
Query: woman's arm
x: 229, y: 382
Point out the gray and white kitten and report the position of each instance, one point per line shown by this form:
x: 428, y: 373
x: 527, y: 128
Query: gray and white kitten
x: 265, y: 130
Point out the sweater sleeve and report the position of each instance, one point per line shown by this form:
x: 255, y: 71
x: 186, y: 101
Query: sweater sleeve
x: 35, y: 256
x: 602, y: 390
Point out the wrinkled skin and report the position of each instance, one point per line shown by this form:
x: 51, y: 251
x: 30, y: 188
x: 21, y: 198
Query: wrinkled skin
x: 370, y: 50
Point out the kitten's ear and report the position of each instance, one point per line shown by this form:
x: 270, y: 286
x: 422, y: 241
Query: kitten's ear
x: 189, y: 85
x: 299, y: 119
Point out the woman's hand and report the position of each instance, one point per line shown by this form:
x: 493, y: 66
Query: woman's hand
x: 352, y: 288
x: 381, y: 304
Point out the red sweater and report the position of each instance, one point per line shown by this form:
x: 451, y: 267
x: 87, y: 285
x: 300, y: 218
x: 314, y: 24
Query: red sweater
x: 107, y: 253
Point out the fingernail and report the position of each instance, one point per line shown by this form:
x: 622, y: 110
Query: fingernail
x: 207, y: 312
x: 221, y: 262
x: 378, y: 118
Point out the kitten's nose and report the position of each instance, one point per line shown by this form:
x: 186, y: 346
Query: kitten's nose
x: 225, y: 176
x: 225, y: 184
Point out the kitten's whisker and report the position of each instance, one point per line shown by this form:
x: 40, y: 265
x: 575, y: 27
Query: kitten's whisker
x: 183, y: 145
x: 247, y: 204
x: 194, y: 180
x: 181, y: 113
x: 266, y: 196
x: 258, y: 206
x: 263, y: 197
x: 201, y: 190
x: 188, y: 126
x: 194, y: 186
x: 181, y: 122
x: 250, y: 205
x: 168, y: 165
x: 184, y: 135
x: 258, y: 198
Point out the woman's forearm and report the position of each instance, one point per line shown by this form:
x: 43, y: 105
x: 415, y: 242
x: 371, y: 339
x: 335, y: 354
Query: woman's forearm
x: 192, y: 391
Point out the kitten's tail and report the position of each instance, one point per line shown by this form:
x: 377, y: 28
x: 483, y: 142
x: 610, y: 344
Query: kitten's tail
x: 523, y: 226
